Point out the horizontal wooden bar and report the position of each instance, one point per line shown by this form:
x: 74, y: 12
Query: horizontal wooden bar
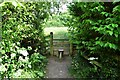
x: 60, y: 39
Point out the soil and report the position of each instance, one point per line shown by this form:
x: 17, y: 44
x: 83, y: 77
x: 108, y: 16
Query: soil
x: 58, y: 68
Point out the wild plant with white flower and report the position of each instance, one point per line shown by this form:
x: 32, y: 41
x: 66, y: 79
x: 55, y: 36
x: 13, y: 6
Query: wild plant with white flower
x: 23, y: 51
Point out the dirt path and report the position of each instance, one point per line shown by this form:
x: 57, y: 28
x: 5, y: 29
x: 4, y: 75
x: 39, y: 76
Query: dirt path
x: 57, y: 68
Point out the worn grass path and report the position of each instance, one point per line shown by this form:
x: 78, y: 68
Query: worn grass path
x: 57, y: 68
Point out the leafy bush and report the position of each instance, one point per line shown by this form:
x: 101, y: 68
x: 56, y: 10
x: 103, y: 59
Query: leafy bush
x: 23, y: 38
x: 95, y: 28
x: 83, y: 69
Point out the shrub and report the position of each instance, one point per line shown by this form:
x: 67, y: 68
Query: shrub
x: 22, y: 38
x: 95, y: 28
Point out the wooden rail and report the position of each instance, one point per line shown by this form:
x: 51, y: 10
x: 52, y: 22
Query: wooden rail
x: 61, y: 39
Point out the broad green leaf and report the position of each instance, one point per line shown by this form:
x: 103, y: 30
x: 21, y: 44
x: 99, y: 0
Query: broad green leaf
x: 106, y: 44
x: 114, y: 25
x: 110, y: 32
x: 116, y: 0
x: 106, y: 14
x: 103, y: 13
x: 114, y: 47
x: 116, y: 8
x: 116, y: 35
x: 100, y: 43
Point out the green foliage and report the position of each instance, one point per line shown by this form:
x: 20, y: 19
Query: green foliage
x: 81, y: 68
x: 94, y: 27
x: 65, y: 17
x: 23, y: 38
x: 54, y: 21
x: 40, y: 61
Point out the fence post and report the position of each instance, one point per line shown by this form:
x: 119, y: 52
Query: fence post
x: 51, y: 43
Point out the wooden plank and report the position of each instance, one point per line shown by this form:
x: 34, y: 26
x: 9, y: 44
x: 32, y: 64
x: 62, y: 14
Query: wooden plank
x: 60, y: 39
x: 65, y: 52
x: 93, y: 62
x: 96, y: 63
x: 61, y: 43
x: 61, y: 48
x: 64, y: 49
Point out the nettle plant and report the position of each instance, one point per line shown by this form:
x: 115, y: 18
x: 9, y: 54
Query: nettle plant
x: 22, y: 38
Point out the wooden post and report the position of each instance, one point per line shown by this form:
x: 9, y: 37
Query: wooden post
x: 51, y: 43
x: 71, y: 49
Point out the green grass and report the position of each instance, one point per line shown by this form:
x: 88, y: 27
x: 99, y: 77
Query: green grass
x: 58, y: 32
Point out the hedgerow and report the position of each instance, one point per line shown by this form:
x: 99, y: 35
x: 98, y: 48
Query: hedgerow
x: 23, y: 42
x: 94, y: 28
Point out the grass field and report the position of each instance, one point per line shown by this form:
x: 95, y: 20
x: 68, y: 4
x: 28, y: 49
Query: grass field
x: 58, y: 32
